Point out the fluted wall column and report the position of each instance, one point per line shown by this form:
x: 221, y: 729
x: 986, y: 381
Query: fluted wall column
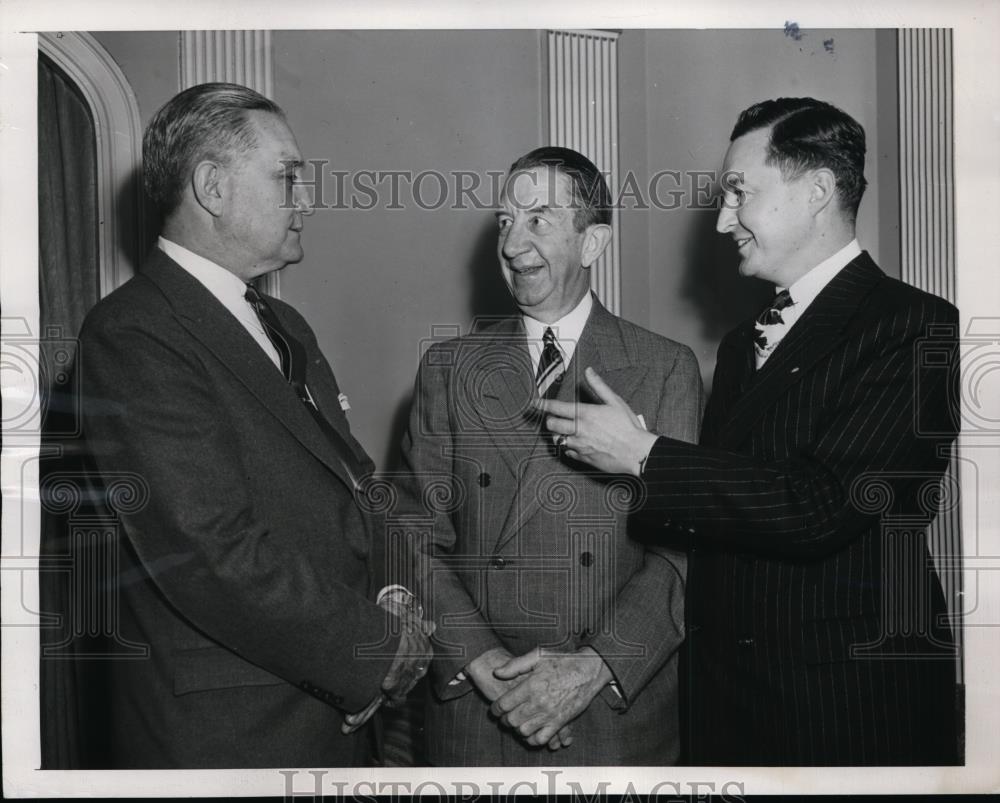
x: 927, y: 224
x: 583, y: 115
x: 237, y: 57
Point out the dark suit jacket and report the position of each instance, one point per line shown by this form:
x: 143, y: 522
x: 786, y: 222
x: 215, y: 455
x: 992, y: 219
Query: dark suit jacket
x: 248, y: 571
x: 814, y: 611
x: 529, y: 550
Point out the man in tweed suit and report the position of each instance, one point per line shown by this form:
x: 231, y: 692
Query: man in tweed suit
x: 546, y: 608
x: 815, y: 634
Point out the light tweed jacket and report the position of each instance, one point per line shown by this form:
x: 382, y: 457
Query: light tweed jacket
x: 531, y: 549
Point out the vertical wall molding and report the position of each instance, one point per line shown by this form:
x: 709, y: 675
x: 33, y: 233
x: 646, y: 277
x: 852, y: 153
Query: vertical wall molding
x: 926, y: 160
x: 237, y: 57
x: 927, y: 224
x: 583, y: 115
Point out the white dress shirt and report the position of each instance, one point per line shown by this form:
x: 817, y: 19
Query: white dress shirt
x: 803, y: 292
x: 227, y: 287
x: 567, y: 330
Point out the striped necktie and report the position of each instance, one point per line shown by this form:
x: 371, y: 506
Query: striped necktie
x: 293, y: 366
x: 550, y: 365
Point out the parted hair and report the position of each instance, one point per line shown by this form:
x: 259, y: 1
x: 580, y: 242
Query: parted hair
x: 207, y: 121
x: 807, y: 134
x: 591, y: 196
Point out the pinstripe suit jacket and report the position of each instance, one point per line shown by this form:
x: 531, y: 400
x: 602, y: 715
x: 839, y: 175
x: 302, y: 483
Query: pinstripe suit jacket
x: 814, y: 611
x: 530, y: 550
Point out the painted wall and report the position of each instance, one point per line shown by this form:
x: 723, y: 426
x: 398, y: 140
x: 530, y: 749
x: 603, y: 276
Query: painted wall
x: 375, y: 282
x: 686, y: 89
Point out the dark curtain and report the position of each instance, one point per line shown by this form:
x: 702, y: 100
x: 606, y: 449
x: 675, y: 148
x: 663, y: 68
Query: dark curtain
x: 72, y: 705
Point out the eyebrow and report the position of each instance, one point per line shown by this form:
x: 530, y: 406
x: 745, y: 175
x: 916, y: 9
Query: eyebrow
x: 535, y: 210
x: 293, y: 164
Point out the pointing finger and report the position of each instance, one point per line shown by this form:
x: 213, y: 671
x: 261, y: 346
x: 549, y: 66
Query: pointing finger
x: 601, y: 388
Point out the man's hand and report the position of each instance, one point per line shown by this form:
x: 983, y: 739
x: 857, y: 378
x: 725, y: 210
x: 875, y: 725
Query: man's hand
x: 607, y: 436
x: 413, y: 656
x: 556, y: 689
x: 481, y: 671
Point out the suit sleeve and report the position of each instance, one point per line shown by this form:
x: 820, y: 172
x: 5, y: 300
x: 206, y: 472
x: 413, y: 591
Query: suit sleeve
x: 427, y: 465
x: 150, y: 409
x: 881, y: 421
x: 649, y: 610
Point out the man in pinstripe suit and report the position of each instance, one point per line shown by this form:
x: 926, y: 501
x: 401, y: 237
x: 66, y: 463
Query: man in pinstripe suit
x: 816, y: 633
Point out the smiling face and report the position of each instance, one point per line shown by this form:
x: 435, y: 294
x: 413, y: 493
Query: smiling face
x: 262, y: 219
x: 543, y: 257
x: 767, y: 216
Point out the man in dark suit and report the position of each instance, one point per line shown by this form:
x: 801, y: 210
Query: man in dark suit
x: 251, y: 570
x: 545, y: 607
x: 816, y: 633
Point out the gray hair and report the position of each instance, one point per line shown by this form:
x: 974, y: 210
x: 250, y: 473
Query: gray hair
x: 207, y: 121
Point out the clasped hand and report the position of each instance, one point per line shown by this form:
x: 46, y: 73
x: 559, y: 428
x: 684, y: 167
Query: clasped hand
x: 537, y: 694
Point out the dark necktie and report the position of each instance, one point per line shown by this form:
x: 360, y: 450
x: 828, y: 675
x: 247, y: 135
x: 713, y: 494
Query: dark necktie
x: 293, y: 366
x: 550, y: 364
x: 771, y: 316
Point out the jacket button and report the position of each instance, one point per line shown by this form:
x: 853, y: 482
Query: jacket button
x: 587, y: 559
x: 484, y: 480
x: 744, y: 642
x: 499, y: 563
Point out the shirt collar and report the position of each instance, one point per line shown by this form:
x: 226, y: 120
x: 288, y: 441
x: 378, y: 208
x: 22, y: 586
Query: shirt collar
x: 805, y: 289
x: 221, y: 283
x: 567, y: 329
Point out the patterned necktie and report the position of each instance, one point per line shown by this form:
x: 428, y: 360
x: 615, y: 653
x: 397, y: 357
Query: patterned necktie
x: 550, y: 364
x: 771, y: 316
x: 293, y: 366
x: 273, y: 329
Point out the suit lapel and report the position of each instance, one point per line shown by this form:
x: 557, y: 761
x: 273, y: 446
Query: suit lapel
x: 734, y: 371
x: 814, y: 335
x: 499, y: 382
x: 600, y: 345
x: 209, y: 322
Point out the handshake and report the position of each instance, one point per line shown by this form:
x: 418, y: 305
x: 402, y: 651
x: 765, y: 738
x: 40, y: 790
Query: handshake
x: 413, y: 656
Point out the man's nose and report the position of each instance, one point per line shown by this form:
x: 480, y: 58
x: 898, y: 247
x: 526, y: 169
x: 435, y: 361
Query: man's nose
x: 300, y: 198
x: 727, y: 217
x: 513, y: 241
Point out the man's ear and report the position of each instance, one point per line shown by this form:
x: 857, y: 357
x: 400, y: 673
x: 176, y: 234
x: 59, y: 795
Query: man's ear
x: 822, y: 189
x: 595, y: 240
x: 206, y: 185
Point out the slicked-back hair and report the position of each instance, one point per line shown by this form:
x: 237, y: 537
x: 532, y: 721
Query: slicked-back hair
x: 207, y: 121
x: 807, y: 134
x: 589, y: 190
